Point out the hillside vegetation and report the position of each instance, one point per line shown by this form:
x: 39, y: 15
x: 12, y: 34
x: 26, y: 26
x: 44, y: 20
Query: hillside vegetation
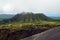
x: 27, y: 17
x: 25, y: 24
x: 27, y: 21
x: 5, y: 16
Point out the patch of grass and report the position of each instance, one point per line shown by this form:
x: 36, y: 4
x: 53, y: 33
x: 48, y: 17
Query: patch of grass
x: 29, y: 26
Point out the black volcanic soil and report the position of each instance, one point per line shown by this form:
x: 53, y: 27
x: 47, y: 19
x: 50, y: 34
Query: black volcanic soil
x: 52, y: 34
x: 9, y: 34
x: 6, y: 34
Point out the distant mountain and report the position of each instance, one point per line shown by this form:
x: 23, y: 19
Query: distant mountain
x: 5, y: 16
x: 53, y: 14
x: 57, y: 18
x: 28, y: 17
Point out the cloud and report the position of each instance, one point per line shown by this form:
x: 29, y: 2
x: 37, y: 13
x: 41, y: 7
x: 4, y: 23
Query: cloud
x: 44, y: 6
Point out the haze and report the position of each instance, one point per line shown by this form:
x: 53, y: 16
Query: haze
x: 36, y: 6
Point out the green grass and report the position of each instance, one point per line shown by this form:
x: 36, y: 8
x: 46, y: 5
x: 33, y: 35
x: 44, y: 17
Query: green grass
x: 30, y: 25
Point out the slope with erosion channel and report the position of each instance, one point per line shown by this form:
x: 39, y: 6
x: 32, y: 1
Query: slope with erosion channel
x: 28, y: 17
x: 24, y: 25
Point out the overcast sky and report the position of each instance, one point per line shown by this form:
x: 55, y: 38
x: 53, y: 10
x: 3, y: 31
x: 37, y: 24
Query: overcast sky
x: 37, y: 6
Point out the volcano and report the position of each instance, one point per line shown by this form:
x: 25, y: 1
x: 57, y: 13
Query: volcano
x: 28, y: 17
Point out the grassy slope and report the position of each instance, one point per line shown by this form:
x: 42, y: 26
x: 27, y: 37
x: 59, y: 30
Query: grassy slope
x: 29, y: 25
x: 29, y: 21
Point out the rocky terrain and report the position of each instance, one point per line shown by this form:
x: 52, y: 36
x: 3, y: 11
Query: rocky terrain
x: 52, y: 34
x: 6, y: 34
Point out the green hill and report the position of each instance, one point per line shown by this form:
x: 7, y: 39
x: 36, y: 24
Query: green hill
x: 25, y: 24
x: 28, y: 17
x: 27, y: 21
x: 5, y: 16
